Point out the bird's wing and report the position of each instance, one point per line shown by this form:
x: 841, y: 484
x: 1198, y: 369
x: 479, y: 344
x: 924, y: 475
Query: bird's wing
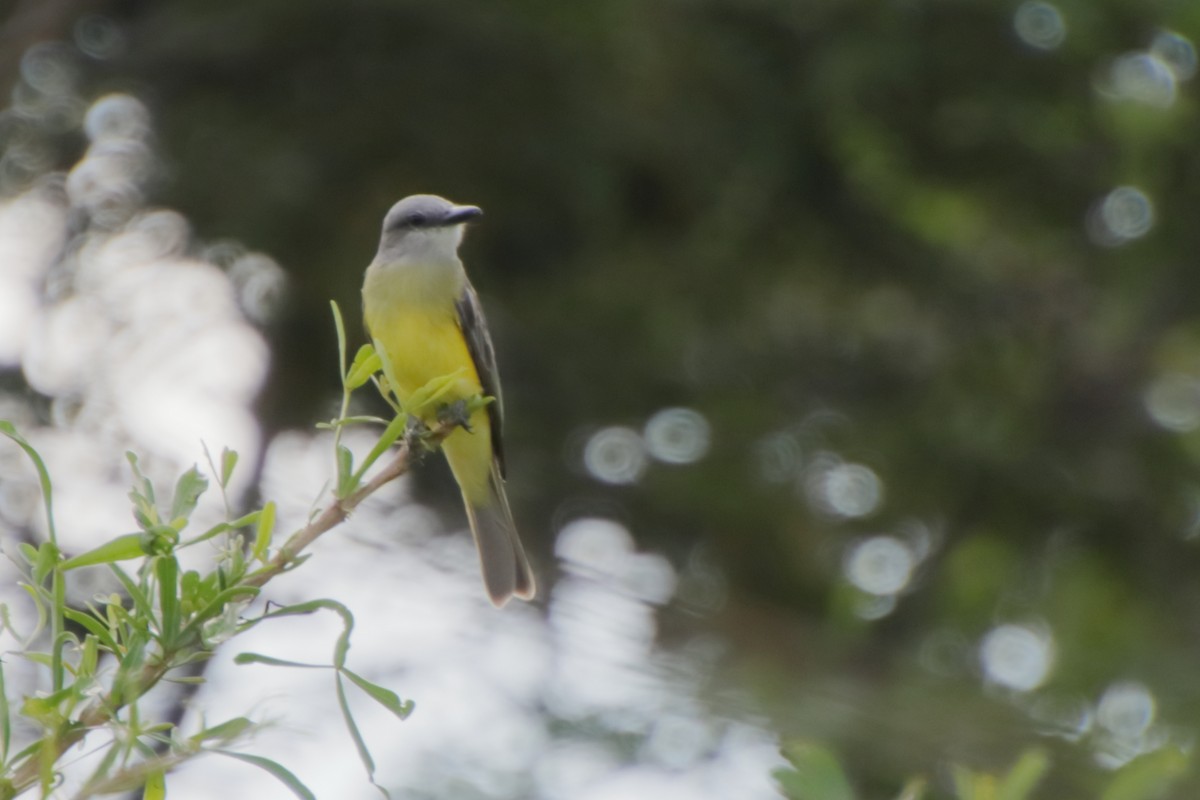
x: 479, y: 345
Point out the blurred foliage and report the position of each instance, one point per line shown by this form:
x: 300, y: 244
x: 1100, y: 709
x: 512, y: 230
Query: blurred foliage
x: 884, y: 234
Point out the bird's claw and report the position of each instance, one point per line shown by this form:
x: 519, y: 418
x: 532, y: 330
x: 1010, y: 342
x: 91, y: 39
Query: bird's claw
x: 456, y: 414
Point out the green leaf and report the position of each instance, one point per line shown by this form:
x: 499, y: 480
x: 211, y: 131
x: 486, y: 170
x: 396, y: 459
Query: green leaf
x: 1149, y: 776
x: 431, y: 392
x: 275, y: 769
x: 156, y: 785
x: 394, y: 431
x: 266, y: 527
x: 122, y: 548
x: 816, y: 774
x: 229, y: 459
x: 1024, y: 776
x: 258, y: 658
x: 93, y: 625
x: 226, y: 731
x: 142, y: 494
x: 340, y: 326
x: 345, y: 471
x: 914, y: 789
x: 343, y: 642
x: 385, y: 366
x: 360, y: 744
x: 385, y: 697
x: 188, y: 489
x: 141, y: 604
x: 10, y: 430
x: 5, y: 719
x: 366, y: 363
x: 47, y: 557
x: 126, y: 687
x: 166, y: 569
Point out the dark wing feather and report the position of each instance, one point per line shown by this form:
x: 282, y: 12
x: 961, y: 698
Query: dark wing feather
x: 479, y: 344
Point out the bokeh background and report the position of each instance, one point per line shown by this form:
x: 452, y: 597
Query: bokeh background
x: 851, y: 357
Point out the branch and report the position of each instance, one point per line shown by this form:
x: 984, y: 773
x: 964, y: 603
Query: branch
x: 104, y: 711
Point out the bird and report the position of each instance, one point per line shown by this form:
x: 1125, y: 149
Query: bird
x: 421, y: 310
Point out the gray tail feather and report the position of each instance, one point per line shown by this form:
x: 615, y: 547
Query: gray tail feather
x: 506, y: 571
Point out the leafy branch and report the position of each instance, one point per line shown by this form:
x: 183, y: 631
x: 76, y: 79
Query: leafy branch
x: 104, y: 657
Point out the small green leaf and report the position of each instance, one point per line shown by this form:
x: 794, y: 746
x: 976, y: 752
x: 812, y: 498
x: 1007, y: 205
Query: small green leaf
x: 156, y: 785
x: 140, y: 602
x: 1024, y: 776
x: 266, y: 527
x: 10, y: 430
x: 394, y: 431
x: 5, y: 719
x: 229, y: 459
x: 122, y: 548
x: 914, y: 789
x: 47, y: 557
x: 226, y: 731
x: 385, y: 697
x: 816, y: 774
x: 420, y: 400
x: 275, y: 769
x: 166, y: 569
x: 345, y: 471
x: 188, y: 489
x: 366, y: 363
x: 360, y: 744
x: 340, y: 326
x: 258, y: 658
x: 1149, y: 776
x: 93, y: 625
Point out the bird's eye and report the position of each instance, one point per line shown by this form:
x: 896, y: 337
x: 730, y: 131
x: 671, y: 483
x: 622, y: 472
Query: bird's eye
x: 416, y: 220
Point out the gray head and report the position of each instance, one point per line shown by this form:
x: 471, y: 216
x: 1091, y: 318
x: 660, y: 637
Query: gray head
x: 424, y: 227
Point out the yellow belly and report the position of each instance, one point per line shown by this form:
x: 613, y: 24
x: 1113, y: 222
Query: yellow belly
x: 421, y: 346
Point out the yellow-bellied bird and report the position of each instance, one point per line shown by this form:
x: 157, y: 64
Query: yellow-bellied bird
x: 424, y: 313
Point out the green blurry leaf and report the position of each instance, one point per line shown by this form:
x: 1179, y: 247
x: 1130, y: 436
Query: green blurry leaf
x: 47, y: 557
x: 277, y: 770
x: 433, y: 391
x: 266, y: 527
x: 343, y: 642
x: 914, y: 789
x: 122, y: 548
x: 1149, y: 776
x: 229, y: 459
x: 142, y: 494
x: 385, y: 697
x: 5, y: 718
x: 1024, y: 776
x: 226, y: 731
x: 360, y: 744
x: 166, y: 569
x: 385, y: 366
x: 258, y: 658
x: 816, y: 774
x: 156, y: 786
x: 366, y: 363
x: 345, y: 471
x: 141, y: 603
x: 93, y: 625
x: 188, y: 489
x: 10, y: 430
x: 394, y: 431
x: 340, y: 326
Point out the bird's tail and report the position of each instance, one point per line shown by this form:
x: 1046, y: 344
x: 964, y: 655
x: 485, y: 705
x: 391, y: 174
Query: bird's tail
x: 506, y: 571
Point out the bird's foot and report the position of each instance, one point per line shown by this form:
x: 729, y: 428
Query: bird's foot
x: 456, y: 414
